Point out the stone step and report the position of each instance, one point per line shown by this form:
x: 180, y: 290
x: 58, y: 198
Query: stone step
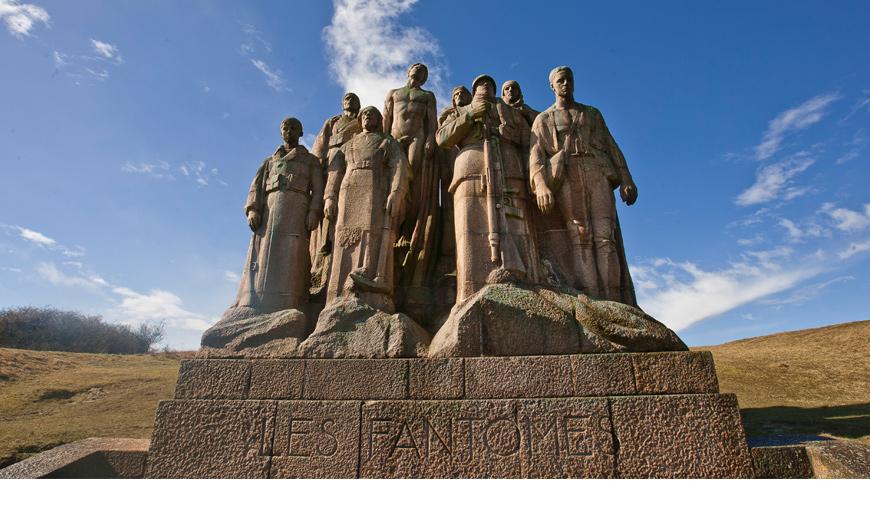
x: 582, y: 375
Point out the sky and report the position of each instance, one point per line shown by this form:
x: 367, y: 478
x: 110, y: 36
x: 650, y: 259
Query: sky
x: 130, y: 132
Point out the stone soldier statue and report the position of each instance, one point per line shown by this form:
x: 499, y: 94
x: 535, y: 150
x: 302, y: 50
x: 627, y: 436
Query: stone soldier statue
x: 410, y: 117
x: 446, y: 264
x: 492, y: 233
x: 365, y: 195
x: 575, y: 165
x: 512, y: 94
x: 336, y: 131
x: 284, y: 204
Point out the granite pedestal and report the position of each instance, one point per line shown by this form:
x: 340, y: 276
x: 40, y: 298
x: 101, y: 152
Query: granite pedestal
x: 592, y: 416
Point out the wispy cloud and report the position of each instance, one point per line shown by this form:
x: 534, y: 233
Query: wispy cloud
x: 854, y: 249
x: 370, y: 52
x: 50, y: 273
x: 854, y: 146
x: 232, y: 276
x: 801, y: 232
x: 196, y: 171
x: 862, y: 104
x: 681, y: 294
x: 105, y: 50
x: 849, y: 220
x: 273, y: 76
x: 792, y: 120
x: 35, y: 237
x: 774, y: 181
x: 804, y: 294
x: 158, y: 305
x: 20, y: 19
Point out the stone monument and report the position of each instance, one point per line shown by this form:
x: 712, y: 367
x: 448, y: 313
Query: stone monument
x: 544, y: 366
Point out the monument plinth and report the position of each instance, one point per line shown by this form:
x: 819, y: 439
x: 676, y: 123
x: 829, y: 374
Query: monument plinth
x: 572, y: 416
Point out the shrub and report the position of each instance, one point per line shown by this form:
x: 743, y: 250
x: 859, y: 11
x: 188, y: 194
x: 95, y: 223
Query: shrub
x: 49, y: 329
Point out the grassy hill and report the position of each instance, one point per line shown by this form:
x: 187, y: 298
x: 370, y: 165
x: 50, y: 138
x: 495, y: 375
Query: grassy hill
x: 51, y: 398
x: 803, y: 383
x: 814, y: 382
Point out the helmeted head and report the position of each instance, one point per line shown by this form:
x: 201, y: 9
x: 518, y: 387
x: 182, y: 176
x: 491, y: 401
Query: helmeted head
x: 350, y: 103
x: 418, y: 73
x: 511, y: 92
x: 562, y: 81
x: 291, y: 130
x: 461, y: 96
x: 483, y: 87
x: 370, y: 119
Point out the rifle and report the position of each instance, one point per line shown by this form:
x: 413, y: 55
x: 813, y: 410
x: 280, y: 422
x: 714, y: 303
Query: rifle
x: 493, y: 202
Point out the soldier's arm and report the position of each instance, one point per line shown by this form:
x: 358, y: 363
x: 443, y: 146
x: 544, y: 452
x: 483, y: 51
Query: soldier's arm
x: 335, y: 174
x: 454, y: 130
x: 612, y: 149
x: 321, y: 143
x: 256, y: 193
x: 539, y: 154
x: 388, y: 113
x: 431, y: 120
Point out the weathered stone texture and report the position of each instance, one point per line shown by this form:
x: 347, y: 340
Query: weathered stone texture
x: 518, y: 377
x: 213, y: 379
x: 675, y: 372
x: 680, y: 436
x: 355, y: 379
x: 88, y: 458
x: 316, y: 440
x: 276, y: 379
x: 436, y: 379
x: 777, y: 462
x: 212, y: 439
x: 602, y: 374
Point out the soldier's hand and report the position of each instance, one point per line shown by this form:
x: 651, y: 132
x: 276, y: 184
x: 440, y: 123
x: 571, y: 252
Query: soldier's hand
x: 628, y: 193
x: 330, y: 209
x: 479, y: 109
x: 429, y: 148
x: 545, y: 199
x: 254, y: 220
x: 311, y: 220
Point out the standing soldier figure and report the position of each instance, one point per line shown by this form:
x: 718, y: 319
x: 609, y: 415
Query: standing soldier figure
x: 336, y: 131
x: 284, y: 204
x: 575, y: 165
x: 410, y: 117
x: 493, y: 243
x: 365, y: 197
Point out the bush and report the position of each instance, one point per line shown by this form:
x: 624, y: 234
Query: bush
x: 48, y: 329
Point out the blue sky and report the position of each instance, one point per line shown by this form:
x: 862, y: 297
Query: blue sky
x: 130, y: 131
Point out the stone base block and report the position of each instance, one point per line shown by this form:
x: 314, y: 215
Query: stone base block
x: 571, y: 416
x: 89, y: 458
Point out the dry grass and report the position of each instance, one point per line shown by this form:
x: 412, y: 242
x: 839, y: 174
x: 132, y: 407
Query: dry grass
x: 51, y: 398
x: 814, y: 382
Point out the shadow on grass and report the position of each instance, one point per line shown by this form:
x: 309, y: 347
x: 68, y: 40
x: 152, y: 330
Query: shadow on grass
x: 789, y: 425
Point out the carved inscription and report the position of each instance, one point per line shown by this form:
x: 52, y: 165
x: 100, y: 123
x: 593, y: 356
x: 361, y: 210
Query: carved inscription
x: 568, y: 437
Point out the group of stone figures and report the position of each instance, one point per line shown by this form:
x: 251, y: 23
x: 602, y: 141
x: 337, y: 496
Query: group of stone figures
x: 412, y: 212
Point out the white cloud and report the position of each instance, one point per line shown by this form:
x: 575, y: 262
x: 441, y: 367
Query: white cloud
x: 50, y: 273
x: 370, y: 53
x: 11, y: 269
x: 106, y: 50
x: 273, y: 76
x: 851, y: 221
x: 792, y: 120
x: 21, y: 18
x: 684, y: 294
x: 854, y: 249
x: 773, y: 180
x: 750, y: 241
x: 35, y: 237
x: 232, y: 276
x: 158, y: 170
x: 862, y: 104
x: 158, y: 305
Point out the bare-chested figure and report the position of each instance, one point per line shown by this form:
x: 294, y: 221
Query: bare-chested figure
x: 410, y: 117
